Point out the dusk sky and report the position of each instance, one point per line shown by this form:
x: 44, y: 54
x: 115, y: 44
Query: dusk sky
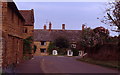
x: 73, y: 14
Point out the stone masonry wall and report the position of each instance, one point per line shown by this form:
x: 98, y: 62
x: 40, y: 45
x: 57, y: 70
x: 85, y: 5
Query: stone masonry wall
x: 1, y: 37
x: 12, y: 34
x: 30, y: 30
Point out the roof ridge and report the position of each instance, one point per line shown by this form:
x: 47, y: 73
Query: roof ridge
x: 25, y: 10
x: 58, y: 30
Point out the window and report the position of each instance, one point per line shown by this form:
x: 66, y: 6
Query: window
x: 43, y: 50
x: 43, y: 42
x: 25, y: 30
x: 73, y: 45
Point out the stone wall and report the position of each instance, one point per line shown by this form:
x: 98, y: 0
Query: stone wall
x: 38, y: 52
x: 0, y: 36
x: 105, y: 52
x: 30, y: 30
x: 12, y: 36
x: 0, y: 53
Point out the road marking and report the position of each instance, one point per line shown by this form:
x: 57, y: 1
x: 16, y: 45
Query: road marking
x: 42, y: 65
x: 43, y: 60
x: 32, y: 58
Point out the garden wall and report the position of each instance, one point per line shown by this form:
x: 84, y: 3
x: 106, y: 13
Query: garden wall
x: 105, y: 52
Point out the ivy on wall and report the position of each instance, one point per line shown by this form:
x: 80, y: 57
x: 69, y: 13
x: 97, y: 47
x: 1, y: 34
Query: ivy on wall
x: 27, y: 48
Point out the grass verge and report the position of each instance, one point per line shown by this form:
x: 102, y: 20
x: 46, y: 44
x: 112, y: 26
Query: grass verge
x: 108, y: 64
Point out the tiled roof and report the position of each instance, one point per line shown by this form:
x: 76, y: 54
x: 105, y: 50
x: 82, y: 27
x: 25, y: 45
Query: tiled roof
x: 28, y: 16
x: 46, y: 35
x: 13, y: 6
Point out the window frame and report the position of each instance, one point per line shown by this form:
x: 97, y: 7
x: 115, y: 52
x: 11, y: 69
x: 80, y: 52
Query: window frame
x: 73, y: 45
x: 44, y: 43
x: 43, y: 49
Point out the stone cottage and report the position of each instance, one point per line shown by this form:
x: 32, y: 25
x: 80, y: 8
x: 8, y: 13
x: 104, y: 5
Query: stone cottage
x: 43, y: 37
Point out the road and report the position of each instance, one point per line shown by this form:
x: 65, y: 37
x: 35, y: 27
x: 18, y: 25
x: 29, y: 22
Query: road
x: 30, y: 66
x: 59, y: 64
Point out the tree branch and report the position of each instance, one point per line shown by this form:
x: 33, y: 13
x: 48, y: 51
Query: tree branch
x: 112, y: 19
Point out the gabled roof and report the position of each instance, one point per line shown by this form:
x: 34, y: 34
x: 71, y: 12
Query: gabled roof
x: 13, y: 6
x: 28, y: 16
x: 46, y: 35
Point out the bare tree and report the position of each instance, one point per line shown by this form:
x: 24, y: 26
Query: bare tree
x: 112, y: 17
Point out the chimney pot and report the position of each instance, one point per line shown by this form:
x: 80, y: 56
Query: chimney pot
x: 63, y: 26
x: 83, y: 26
x: 50, y: 25
x: 45, y: 27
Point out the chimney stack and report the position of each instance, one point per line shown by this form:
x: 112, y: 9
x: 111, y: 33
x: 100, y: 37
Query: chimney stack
x: 45, y: 27
x: 50, y: 26
x: 83, y: 26
x: 63, y: 26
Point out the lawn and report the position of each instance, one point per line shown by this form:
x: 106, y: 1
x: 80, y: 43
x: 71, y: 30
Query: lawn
x: 108, y: 64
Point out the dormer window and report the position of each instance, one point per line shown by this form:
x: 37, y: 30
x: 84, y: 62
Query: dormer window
x: 43, y: 43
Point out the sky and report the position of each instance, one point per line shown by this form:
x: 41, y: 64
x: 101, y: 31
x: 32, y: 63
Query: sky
x: 64, y: 0
x: 73, y: 14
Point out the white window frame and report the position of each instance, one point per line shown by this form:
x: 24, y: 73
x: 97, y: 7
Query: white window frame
x: 73, y: 45
x: 44, y: 43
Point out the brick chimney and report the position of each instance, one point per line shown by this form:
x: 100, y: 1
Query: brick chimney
x: 32, y: 17
x: 50, y: 26
x: 45, y: 27
x: 83, y: 26
x: 63, y: 26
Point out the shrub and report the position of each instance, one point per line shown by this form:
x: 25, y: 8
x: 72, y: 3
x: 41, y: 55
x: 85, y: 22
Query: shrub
x: 27, y: 48
x: 61, y: 42
x: 51, y: 47
x: 75, y: 52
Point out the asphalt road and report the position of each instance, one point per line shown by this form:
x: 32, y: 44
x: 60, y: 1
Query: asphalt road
x: 30, y: 66
x: 59, y: 64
